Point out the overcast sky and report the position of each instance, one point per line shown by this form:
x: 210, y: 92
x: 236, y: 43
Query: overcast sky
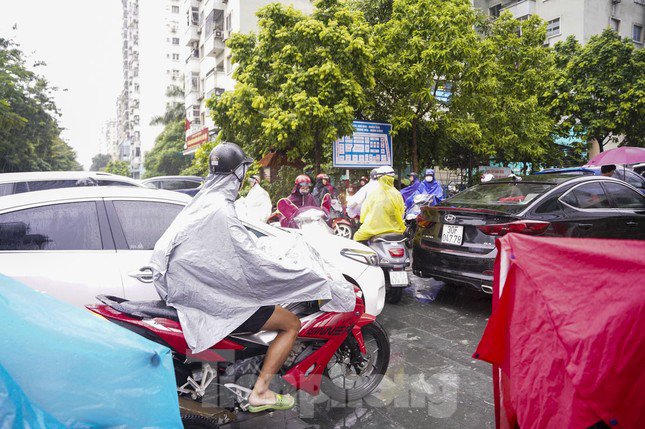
x: 81, y: 43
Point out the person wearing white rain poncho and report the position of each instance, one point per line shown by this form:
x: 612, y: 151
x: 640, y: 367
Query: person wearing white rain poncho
x: 220, y: 280
x: 257, y: 203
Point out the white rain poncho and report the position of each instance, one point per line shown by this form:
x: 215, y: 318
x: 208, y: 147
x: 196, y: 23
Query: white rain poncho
x: 255, y: 206
x: 355, y: 202
x: 214, y: 272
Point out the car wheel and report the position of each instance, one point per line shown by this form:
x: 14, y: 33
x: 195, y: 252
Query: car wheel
x: 393, y: 295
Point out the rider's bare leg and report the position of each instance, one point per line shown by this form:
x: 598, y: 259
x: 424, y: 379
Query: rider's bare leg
x: 288, y: 326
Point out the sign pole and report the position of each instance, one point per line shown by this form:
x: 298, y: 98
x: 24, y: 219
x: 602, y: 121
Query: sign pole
x: 347, y: 174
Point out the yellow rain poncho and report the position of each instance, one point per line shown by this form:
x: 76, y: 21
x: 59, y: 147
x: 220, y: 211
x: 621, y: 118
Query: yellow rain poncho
x: 382, y: 211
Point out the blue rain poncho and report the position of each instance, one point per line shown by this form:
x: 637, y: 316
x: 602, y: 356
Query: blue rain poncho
x: 425, y: 187
x: 409, y: 190
x: 216, y: 274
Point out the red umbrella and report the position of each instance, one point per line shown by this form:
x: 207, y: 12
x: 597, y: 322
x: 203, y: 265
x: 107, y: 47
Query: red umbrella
x: 621, y: 155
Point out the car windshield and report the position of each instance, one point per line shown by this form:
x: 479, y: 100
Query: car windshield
x: 507, y: 196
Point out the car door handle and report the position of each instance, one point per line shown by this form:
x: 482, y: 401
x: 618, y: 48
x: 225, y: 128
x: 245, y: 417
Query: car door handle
x: 630, y: 223
x: 585, y: 225
x: 144, y: 274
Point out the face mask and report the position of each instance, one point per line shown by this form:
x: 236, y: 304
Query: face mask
x: 304, y: 191
x: 388, y: 180
x: 429, y: 178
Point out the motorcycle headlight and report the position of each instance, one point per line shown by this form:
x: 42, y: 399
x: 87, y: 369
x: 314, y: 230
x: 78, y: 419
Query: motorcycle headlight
x: 362, y: 256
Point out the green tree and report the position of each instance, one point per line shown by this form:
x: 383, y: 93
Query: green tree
x: 122, y: 168
x: 427, y: 49
x: 166, y: 157
x: 175, y: 111
x: 599, y: 93
x: 299, y: 82
x: 99, y: 161
x: 29, y: 131
x: 375, y: 11
x: 512, y: 117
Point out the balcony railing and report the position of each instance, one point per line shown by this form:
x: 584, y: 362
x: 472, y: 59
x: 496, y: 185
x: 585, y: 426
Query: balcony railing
x: 520, y: 8
x: 214, y: 45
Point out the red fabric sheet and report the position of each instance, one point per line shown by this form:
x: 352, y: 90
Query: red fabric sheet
x: 567, y: 335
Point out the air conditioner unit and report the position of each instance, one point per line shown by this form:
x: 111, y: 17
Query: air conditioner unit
x: 219, y: 34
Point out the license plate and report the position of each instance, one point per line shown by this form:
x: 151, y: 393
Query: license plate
x: 452, y: 234
x: 399, y: 278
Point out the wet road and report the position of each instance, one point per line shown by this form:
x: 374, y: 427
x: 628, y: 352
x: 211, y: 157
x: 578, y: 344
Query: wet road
x: 432, y: 380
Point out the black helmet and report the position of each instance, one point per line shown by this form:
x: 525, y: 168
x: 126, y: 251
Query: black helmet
x: 373, y: 174
x: 226, y: 157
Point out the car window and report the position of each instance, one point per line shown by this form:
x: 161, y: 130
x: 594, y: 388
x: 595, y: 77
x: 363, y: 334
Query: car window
x: 549, y: 206
x: 144, y: 222
x: 173, y: 185
x: 6, y: 189
x: 624, y: 197
x: 153, y: 184
x: 103, y: 182
x: 70, y: 226
x: 587, y: 196
x: 634, y: 179
x: 507, y: 196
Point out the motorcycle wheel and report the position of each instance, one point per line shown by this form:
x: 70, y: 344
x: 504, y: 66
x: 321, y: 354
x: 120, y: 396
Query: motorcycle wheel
x: 343, y: 230
x: 344, y: 382
x: 393, y: 295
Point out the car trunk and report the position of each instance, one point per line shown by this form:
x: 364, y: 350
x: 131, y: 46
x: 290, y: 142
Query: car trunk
x: 457, y: 228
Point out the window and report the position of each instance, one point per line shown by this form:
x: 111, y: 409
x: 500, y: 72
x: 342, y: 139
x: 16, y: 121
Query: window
x: 637, y: 33
x: 71, y: 226
x: 175, y: 9
x: 194, y: 15
x: 194, y: 81
x: 615, y: 24
x: 173, y: 185
x: 175, y: 40
x: 587, y: 196
x: 115, y: 183
x: 634, y: 179
x: 143, y: 222
x: 175, y: 57
x: 553, y: 28
x: 625, y: 198
x: 494, y: 11
x: 6, y: 189
x: 228, y: 22
x: 196, y: 112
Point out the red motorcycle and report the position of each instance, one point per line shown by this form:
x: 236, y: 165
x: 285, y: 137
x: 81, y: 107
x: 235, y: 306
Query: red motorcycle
x: 344, y: 355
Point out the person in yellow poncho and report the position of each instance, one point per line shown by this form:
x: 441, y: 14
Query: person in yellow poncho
x: 383, y: 209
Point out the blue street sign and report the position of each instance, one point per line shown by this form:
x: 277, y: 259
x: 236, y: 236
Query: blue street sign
x: 370, y: 146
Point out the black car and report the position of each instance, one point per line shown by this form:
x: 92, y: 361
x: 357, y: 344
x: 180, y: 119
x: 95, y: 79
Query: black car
x: 455, y: 240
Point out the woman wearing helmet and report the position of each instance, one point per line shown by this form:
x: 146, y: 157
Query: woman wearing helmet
x: 301, y: 194
x: 320, y: 190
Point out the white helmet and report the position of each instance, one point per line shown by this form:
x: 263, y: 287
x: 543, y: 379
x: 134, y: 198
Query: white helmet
x: 487, y: 178
x: 386, y: 170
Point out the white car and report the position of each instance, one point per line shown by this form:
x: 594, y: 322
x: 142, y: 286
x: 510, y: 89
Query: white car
x: 76, y: 243
x: 17, y: 183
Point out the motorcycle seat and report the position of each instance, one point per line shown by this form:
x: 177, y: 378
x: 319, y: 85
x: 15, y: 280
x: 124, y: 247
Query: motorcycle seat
x: 143, y: 309
x: 388, y: 237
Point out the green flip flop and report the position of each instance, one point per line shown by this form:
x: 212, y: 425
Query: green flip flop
x: 282, y: 402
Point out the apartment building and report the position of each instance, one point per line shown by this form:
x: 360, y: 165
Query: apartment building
x: 579, y: 18
x: 108, y: 138
x: 151, y: 66
x: 208, y: 67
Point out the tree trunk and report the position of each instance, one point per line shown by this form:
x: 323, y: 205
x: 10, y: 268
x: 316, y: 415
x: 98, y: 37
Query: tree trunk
x: 415, y: 147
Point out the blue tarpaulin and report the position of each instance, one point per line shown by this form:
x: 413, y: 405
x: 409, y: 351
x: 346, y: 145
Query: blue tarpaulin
x: 63, y: 366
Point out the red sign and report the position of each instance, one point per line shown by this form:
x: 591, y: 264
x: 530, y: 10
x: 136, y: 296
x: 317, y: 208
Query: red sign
x: 197, y: 139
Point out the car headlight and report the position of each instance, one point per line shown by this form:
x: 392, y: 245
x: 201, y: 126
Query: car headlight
x: 363, y: 256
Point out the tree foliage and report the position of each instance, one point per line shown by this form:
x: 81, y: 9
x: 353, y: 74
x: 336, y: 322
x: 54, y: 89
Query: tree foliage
x: 166, y: 157
x: 299, y: 82
x: 29, y: 131
x: 122, y: 168
x: 600, y: 89
x: 100, y: 161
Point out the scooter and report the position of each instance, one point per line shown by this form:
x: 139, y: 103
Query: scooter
x: 344, y: 355
x: 394, y: 258
x: 339, y: 222
x: 419, y: 201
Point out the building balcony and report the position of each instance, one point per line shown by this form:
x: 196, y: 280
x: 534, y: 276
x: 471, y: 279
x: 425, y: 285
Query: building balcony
x: 214, y: 45
x: 520, y: 8
x: 193, y: 97
x: 192, y: 34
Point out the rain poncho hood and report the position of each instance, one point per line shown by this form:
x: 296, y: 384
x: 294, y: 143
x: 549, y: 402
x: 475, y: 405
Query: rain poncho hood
x: 256, y: 205
x: 302, y: 200
x: 216, y: 274
x: 382, y: 211
x: 432, y: 188
x: 409, y: 190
